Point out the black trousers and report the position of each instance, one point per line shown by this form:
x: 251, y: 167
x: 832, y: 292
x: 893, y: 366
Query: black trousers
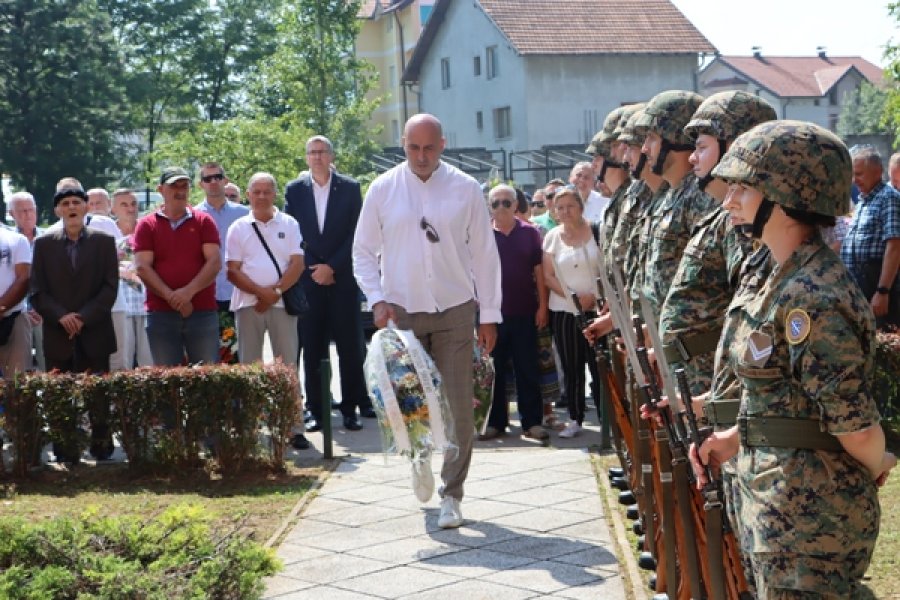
x: 334, y: 314
x: 867, y: 277
x: 574, y: 353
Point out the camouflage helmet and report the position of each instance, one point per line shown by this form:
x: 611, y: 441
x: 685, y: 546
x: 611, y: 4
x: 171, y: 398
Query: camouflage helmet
x: 629, y: 133
x: 627, y: 112
x: 601, y: 141
x: 795, y: 164
x: 726, y: 115
x: 667, y: 113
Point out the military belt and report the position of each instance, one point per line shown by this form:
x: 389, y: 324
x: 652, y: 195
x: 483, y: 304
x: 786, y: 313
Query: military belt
x: 684, y: 348
x: 786, y: 432
x: 721, y: 414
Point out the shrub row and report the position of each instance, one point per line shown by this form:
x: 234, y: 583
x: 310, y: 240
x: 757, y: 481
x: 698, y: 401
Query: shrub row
x: 174, y: 555
x: 160, y: 415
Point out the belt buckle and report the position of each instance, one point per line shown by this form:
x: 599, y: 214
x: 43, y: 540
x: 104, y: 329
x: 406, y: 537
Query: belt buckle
x: 682, y: 349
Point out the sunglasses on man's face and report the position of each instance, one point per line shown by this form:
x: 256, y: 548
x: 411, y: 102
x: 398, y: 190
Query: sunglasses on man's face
x: 213, y: 177
x: 496, y: 204
x: 538, y: 204
x: 233, y: 197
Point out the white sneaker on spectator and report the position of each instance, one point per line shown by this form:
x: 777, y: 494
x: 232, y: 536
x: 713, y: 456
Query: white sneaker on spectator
x: 451, y: 516
x: 423, y: 478
x: 572, y: 429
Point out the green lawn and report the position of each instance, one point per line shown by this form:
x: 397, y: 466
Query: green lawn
x: 260, y: 500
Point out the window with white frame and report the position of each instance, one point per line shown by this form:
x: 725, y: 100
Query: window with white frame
x: 490, y: 62
x: 477, y: 65
x: 479, y: 120
x: 445, y: 73
x: 502, y: 123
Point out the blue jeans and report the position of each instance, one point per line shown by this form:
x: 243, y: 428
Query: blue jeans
x: 171, y: 336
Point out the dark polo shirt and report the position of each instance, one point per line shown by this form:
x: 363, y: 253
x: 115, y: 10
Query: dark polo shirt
x: 520, y: 252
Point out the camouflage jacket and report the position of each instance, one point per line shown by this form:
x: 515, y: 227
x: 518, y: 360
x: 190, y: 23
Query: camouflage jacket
x: 703, y: 286
x: 803, y: 347
x: 634, y: 244
x: 612, y: 217
x: 667, y: 232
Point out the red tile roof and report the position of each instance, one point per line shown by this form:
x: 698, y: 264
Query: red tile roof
x: 596, y: 27
x: 806, y: 76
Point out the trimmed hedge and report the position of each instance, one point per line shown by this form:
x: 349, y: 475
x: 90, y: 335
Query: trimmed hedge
x: 160, y: 415
x: 887, y: 374
x: 173, y: 555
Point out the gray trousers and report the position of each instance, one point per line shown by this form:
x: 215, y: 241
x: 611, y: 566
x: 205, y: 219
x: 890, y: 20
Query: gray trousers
x: 449, y: 338
x: 15, y: 354
x: 282, y: 327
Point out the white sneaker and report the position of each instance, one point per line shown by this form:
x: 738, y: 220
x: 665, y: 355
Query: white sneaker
x: 451, y: 516
x: 423, y: 478
x: 572, y: 429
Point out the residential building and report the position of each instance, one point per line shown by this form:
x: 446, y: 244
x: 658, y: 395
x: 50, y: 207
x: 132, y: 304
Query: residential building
x: 806, y: 88
x: 387, y: 37
x: 516, y: 75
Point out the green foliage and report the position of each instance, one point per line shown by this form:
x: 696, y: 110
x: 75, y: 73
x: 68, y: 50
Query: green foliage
x: 243, y: 145
x: 315, y: 81
x: 863, y: 111
x: 160, y: 415
x: 62, y: 104
x: 174, y: 555
x: 891, y: 114
x: 887, y: 375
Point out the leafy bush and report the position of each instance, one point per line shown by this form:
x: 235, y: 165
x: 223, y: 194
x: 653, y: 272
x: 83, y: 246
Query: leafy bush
x: 173, y: 555
x: 887, y: 374
x: 161, y: 415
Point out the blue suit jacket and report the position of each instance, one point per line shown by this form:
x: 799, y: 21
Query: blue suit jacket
x: 333, y: 245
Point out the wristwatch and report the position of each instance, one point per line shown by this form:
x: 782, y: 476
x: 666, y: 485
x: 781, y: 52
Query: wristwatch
x: 882, y: 290
x: 277, y: 290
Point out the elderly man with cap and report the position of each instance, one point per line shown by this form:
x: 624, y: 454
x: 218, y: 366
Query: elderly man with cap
x: 74, y: 281
x: 176, y: 252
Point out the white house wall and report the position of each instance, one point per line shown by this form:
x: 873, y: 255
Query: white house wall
x: 562, y: 89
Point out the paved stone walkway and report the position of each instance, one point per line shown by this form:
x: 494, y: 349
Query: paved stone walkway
x: 534, y: 528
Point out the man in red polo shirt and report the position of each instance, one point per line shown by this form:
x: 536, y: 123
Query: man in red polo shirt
x: 176, y: 251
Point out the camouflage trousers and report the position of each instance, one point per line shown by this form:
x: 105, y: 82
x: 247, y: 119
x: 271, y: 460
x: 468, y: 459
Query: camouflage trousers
x: 786, y: 576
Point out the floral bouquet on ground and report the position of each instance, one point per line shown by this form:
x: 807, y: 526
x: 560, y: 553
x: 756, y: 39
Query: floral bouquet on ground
x: 483, y: 394
x: 405, y: 388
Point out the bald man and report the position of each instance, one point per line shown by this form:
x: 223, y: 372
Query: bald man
x: 421, y: 228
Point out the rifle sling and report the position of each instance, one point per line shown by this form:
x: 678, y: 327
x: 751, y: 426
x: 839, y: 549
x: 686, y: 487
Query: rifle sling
x: 685, y: 347
x: 786, y: 432
x: 714, y: 548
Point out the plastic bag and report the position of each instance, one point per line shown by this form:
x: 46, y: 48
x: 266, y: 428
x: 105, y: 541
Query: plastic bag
x: 405, y: 387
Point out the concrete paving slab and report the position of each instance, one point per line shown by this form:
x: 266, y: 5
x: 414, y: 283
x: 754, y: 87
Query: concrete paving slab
x: 398, y: 581
x: 474, y: 562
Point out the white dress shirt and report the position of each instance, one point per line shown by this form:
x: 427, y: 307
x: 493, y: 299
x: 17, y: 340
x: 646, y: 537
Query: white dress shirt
x: 595, y: 207
x: 394, y: 261
x: 282, y: 234
x: 320, y: 193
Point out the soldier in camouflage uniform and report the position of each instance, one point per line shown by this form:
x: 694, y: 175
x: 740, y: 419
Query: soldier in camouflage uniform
x: 810, y: 450
x: 609, y: 156
x: 668, y: 149
x: 694, y: 310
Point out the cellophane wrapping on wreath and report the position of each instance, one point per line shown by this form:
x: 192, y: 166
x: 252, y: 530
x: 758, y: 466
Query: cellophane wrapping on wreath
x: 405, y: 387
x: 483, y: 394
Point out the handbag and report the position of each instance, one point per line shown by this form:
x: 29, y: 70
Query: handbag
x: 295, y: 302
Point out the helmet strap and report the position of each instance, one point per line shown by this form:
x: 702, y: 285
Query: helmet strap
x: 664, y: 148
x: 707, y: 179
x: 639, y: 167
x: 762, y: 217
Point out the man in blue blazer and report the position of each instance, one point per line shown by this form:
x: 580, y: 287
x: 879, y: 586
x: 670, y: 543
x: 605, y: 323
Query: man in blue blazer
x: 327, y: 205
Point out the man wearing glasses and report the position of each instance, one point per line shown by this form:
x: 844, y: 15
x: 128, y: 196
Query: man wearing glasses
x: 224, y: 212
x: 326, y: 204
x: 425, y: 257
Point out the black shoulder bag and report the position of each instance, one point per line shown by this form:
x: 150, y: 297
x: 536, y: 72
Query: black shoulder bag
x: 295, y: 302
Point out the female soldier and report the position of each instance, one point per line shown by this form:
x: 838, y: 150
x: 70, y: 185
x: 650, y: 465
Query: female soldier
x: 808, y: 442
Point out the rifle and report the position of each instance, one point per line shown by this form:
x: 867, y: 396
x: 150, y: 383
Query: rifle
x: 682, y: 474
x: 642, y: 467
x: 652, y: 397
x: 719, y: 536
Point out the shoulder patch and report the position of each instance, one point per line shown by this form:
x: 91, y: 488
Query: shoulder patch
x: 797, y: 325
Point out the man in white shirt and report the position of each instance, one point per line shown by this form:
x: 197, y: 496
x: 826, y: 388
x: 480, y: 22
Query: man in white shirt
x: 582, y: 177
x: 15, y: 330
x: 424, y: 246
